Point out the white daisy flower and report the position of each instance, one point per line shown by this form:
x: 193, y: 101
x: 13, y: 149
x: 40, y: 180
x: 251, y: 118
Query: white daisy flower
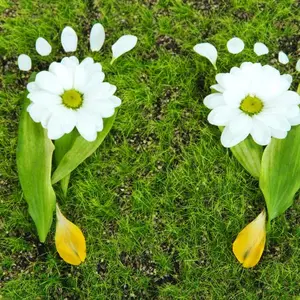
x: 72, y: 94
x: 253, y: 100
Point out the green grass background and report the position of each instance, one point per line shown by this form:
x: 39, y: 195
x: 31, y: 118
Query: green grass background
x: 161, y: 201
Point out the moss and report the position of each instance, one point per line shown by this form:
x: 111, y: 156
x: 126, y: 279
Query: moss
x: 161, y: 200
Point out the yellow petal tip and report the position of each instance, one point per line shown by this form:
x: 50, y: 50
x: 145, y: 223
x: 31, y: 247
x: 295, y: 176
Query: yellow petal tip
x: 69, y: 240
x: 249, y: 245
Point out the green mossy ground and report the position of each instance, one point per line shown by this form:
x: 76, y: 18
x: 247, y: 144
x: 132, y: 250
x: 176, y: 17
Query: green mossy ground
x: 161, y: 200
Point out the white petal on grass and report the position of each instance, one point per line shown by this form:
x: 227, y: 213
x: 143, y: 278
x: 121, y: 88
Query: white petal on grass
x: 24, y: 62
x: 283, y: 58
x: 207, y: 50
x: 260, y: 49
x: 298, y: 66
x: 235, y: 45
x: 42, y: 47
x: 124, y: 44
x: 69, y: 39
x: 97, y: 37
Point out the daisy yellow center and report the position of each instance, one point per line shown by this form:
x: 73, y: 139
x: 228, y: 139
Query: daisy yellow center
x: 72, y: 99
x: 251, y: 105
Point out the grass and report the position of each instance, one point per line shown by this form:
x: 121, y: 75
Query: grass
x: 161, y: 200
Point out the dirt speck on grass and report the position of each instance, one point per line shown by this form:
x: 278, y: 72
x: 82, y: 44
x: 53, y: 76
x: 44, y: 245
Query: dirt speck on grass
x: 23, y: 262
x: 168, y: 43
x: 243, y: 15
x: 208, y: 6
x: 290, y: 44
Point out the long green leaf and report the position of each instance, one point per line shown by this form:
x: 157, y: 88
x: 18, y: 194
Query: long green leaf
x: 62, y: 146
x: 280, y: 172
x: 34, y: 160
x: 80, y: 150
x: 249, y: 155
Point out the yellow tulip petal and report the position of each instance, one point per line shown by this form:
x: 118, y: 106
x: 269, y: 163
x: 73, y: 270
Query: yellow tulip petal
x: 69, y: 240
x: 250, y: 242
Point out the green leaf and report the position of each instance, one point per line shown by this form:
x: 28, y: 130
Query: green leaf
x: 80, y: 150
x: 62, y: 146
x: 34, y: 160
x: 280, y: 172
x: 249, y: 155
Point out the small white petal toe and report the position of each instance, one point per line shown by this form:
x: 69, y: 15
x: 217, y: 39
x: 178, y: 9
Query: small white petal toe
x: 42, y: 47
x: 124, y: 44
x: 298, y: 66
x: 283, y: 58
x: 97, y: 37
x: 69, y: 39
x: 24, y: 62
x: 208, y: 51
x: 260, y: 49
x: 235, y: 45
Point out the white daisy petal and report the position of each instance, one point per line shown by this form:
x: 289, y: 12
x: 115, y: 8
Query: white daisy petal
x: 80, y: 79
x: 32, y: 87
x: 71, y: 62
x: 207, y: 50
x: 49, y: 82
x: 68, y: 119
x: 55, y: 130
x: 24, y: 62
x: 295, y: 121
x: 234, y: 98
x: 298, y: 66
x: 100, y: 91
x: 283, y: 58
x: 213, y: 100
x: 92, y: 69
x: 116, y: 101
x: 241, y: 124
x: 36, y: 111
x: 217, y: 87
x: 94, y: 80
x: 292, y: 112
x: 221, y: 115
x: 69, y: 39
x: 42, y: 47
x: 97, y: 37
x: 260, y: 132
x: 235, y: 45
x: 88, y: 61
x: 62, y: 74
x: 44, y: 98
x: 124, y: 44
x: 274, y: 121
x: 278, y: 134
x: 288, y: 78
x: 105, y: 108
x: 86, y: 127
x: 229, y: 139
x: 260, y: 49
